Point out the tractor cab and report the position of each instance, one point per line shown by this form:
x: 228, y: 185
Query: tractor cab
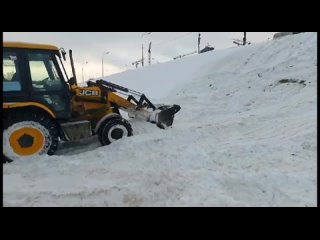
x: 32, y: 73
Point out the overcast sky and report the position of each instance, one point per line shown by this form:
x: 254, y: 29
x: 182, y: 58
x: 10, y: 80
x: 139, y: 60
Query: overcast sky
x: 126, y: 47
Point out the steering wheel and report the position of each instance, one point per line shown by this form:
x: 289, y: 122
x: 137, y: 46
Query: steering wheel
x: 51, y: 84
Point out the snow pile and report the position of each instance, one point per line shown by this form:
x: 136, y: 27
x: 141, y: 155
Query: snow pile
x: 246, y: 136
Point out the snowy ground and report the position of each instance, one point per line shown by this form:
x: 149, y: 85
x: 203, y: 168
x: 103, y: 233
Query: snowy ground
x: 245, y: 136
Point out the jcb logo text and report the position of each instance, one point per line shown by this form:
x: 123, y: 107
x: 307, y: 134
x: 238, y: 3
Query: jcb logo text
x: 89, y: 92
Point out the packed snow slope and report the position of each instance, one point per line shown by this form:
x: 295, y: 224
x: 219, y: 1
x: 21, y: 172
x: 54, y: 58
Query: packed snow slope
x: 245, y: 136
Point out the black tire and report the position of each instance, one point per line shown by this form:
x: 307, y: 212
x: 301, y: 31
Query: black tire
x: 114, y: 129
x: 41, y: 123
x: 102, y: 125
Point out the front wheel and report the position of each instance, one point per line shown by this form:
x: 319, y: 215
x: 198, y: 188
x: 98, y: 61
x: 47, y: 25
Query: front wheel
x: 28, y: 134
x: 114, y: 129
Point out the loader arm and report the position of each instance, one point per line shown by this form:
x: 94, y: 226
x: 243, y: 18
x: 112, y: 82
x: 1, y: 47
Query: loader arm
x: 129, y: 107
x: 120, y: 101
x: 137, y: 104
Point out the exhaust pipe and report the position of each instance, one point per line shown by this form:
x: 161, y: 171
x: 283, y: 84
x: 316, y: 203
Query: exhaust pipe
x: 74, y: 77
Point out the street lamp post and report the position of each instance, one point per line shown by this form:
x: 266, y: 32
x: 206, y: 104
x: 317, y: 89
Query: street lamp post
x: 82, y: 70
x: 105, y: 53
x: 142, y: 59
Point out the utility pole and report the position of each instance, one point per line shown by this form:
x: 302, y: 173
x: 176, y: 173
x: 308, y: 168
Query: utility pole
x: 243, y: 42
x: 245, y: 38
x: 142, y: 57
x: 199, y: 39
x: 144, y: 34
x: 149, y: 51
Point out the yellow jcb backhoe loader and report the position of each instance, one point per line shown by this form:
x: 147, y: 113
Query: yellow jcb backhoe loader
x: 42, y: 105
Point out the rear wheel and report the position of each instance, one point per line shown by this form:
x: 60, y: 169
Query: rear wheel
x: 114, y: 129
x: 29, y: 134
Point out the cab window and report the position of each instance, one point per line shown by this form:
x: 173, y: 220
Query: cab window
x: 44, y: 74
x: 11, y: 72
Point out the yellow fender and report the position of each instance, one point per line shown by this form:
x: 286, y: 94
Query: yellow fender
x: 28, y: 104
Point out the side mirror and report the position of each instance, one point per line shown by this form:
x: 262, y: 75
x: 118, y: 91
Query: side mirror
x: 63, y: 52
x: 72, y: 81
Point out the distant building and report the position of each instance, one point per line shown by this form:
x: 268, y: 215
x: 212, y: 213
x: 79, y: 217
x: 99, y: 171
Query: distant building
x: 282, y: 34
x: 207, y: 49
